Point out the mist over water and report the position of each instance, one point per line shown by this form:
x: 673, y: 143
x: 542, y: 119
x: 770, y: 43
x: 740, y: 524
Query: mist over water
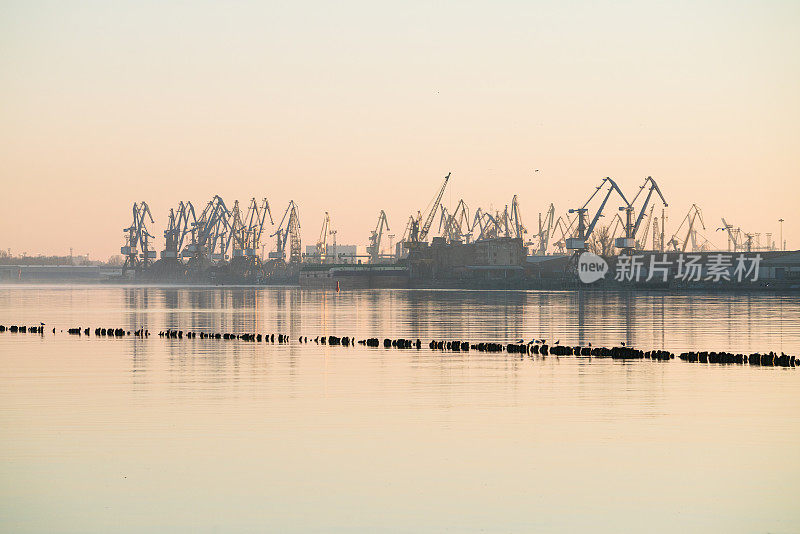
x: 132, y: 435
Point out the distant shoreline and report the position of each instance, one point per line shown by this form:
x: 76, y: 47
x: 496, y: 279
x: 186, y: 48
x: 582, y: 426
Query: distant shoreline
x: 591, y: 288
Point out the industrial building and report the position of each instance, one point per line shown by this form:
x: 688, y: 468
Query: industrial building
x: 335, y: 254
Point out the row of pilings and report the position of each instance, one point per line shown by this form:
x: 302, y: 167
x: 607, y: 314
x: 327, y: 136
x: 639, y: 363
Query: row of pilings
x: 770, y: 359
x: 533, y: 348
x: 14, y: 329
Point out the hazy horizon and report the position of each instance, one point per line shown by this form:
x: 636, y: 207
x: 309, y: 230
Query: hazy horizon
x: 362, y: 107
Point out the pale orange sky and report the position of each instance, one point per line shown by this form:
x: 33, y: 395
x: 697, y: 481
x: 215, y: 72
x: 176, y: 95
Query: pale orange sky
x: 362, y: 106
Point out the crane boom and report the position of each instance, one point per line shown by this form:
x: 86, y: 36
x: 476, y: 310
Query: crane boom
x: 429, y: 220
x: 614, y: 187
x: 653, y: 187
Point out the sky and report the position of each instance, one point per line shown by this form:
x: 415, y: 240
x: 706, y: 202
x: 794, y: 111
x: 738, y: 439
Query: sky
x: 355, y: 107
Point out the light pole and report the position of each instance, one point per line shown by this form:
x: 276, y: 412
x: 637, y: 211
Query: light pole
x: 781, y: 244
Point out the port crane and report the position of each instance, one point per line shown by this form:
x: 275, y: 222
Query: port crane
x: 256, y: 217
x: 515, y: 220
x: 503, y: 223
x: 244, y: 236
x: 734, y: 236
x: 602, y: 239
x: 234, y: 241
x: 412, y: 230
x: 137, y: 237
x: 615, y: 225
x: 487, y: 224
x: 374, y: 248
x: 578, y: 243
x: 288, y: 230
x: 545, y: 227
x: 323, y: 249
x: 210, y: 231
x: 694, y: 214
x: 628, y: 242
x: 219, y: 231
x: 742, y: 241
x: 566, y: 232
x: 322, y: 242
x: 178, y: 227
x: 417, y: 234
x: 462, y: 222
x: 641, y: 244
x: 446, y: 225
x: 455, y: 223
x: 478, y: 221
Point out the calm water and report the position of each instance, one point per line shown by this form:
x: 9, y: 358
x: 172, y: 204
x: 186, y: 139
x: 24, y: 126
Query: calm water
x: 131, y: 435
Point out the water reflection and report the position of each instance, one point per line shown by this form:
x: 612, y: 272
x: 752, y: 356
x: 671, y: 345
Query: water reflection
x: 658, y: 320
x: 258, y: 434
